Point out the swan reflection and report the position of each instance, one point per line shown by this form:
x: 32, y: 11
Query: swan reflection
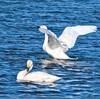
x: 52, y: 62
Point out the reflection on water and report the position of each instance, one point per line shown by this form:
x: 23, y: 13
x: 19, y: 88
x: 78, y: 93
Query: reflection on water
x: 63, y: 63
x: 36, y: 84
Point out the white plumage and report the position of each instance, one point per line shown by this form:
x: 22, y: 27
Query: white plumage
x: 39, y: 77
x: 57, y: 47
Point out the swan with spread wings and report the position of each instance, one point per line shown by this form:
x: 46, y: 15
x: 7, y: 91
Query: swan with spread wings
x: 57, y: 47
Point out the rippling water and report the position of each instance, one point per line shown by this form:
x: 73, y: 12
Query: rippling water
x: 20, y: 40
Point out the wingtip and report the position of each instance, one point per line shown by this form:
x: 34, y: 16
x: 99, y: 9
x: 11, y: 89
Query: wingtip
x: 94, y: 28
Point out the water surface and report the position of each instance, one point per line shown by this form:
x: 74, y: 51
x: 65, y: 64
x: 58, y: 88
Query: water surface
x: 20, y: 40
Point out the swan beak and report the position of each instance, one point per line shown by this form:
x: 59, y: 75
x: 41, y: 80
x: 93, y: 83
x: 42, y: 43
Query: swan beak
x: 42, y: 27
x: 38, y: 27
x: 28, y: 69
x: 28, y: 66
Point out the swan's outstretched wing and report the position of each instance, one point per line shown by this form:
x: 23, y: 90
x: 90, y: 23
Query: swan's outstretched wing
x: 53, y: 42
x: 70, y: 34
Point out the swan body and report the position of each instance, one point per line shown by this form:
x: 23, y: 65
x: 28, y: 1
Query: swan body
x: 57, y: 47
x: 40, y: 77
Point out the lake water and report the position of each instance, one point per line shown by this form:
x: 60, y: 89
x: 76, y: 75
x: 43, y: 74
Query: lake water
x: 20, y: 40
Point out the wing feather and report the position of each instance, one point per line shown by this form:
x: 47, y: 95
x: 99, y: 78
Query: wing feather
x: 53, y: 41
x: 70, y: 34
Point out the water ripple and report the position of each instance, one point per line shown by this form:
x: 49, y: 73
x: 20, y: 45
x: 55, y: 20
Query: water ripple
x: 20, y: 40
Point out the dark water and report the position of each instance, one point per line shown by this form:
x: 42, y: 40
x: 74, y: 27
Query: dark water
x: 20, y: 40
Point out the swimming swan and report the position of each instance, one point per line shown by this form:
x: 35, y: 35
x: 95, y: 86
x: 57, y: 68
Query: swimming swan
x: 35, y: 76
x: 57, y: 47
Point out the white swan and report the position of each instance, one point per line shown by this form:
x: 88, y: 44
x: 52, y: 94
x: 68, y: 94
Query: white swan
x: 57, y: 47
x: 39, y: 77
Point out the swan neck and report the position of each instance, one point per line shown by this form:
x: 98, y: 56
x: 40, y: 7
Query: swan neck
x: 45, y: 40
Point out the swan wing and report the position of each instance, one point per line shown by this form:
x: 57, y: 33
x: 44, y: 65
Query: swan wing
x: 70, y: 34
x: 53, y: 41
x: 41, y: 77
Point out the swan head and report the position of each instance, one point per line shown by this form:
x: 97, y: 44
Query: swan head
x: 23, y: 73
x: 29, y: 65
x: 42, y: 27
